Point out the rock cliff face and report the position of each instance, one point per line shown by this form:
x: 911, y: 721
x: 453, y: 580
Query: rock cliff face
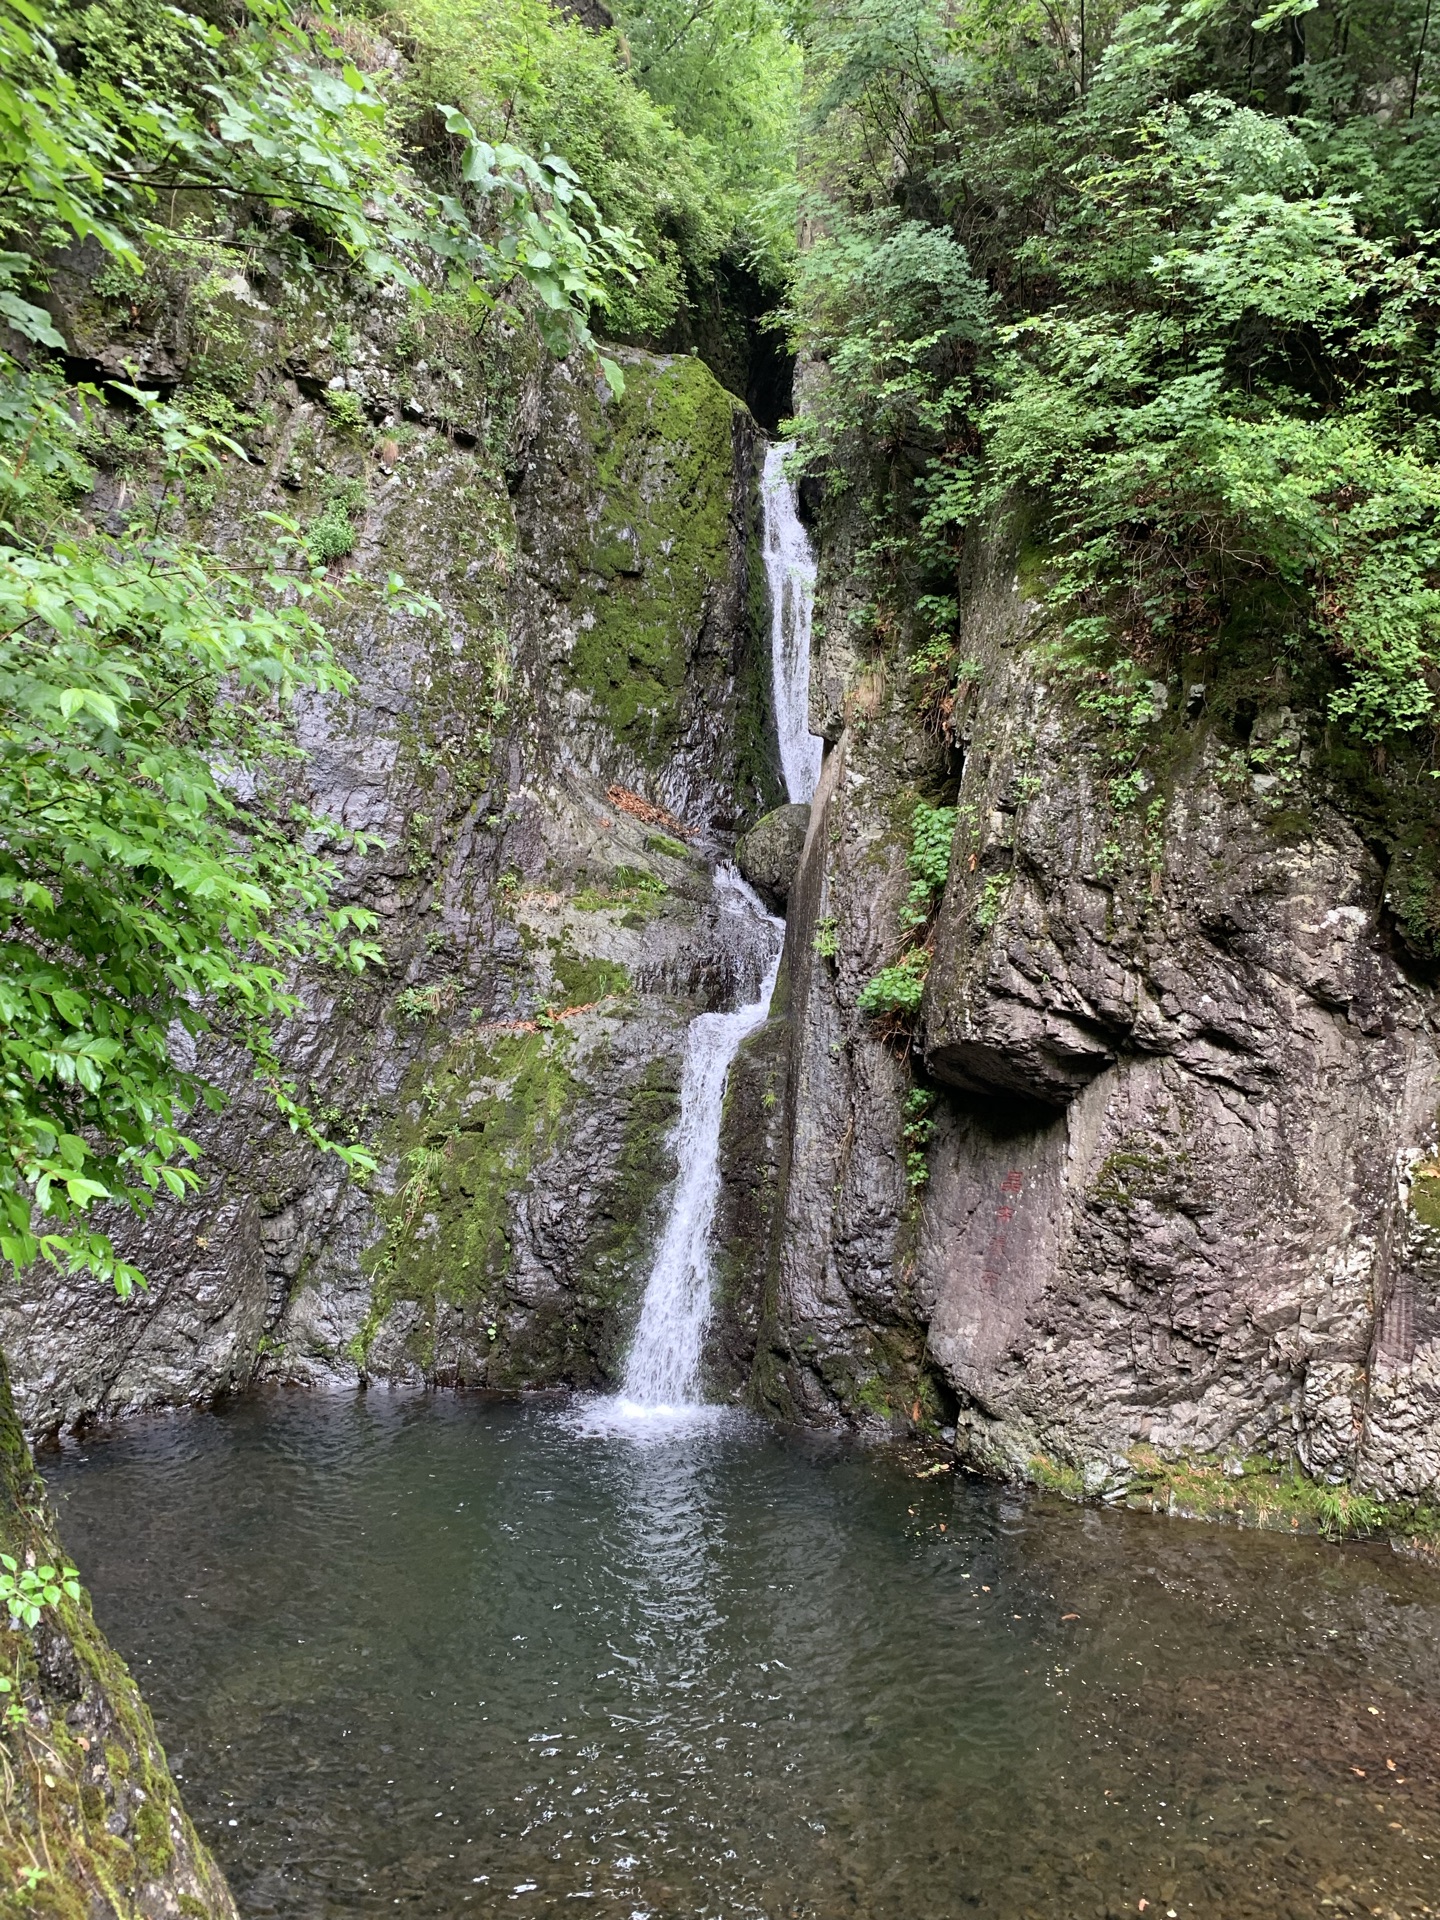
x: 1152, y: 1168
x: 552, y: 755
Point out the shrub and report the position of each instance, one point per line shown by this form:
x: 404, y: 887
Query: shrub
x: 345, y: 410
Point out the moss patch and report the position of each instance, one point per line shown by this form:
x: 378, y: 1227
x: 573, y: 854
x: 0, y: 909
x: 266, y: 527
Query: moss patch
x: 92, y: 1820
x: 893, y: 1382
x: 584, y: 980
x: 1257, y: 1492
x: 629, y: 887
x: 491, y: 1108
x: 1425, y: 1194
x: 660, y: 550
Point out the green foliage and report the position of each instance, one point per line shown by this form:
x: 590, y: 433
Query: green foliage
x: 690, y: 193
x: 331, y: 536
x: 729, y: 74
x: 346, y: 411
x: 425, y: 1166
x: 143, y: 901
x: 917, y: 1129
x: 932, y: 833
x: 26, y: 1591
x: 894, y: 994
x: 1188, y: 316
x: 992, y: 898
x: 274, y: 115
x: 895, y: 312
x: 896, y: 991
x: 425, y: 1003
x: 827, y: 938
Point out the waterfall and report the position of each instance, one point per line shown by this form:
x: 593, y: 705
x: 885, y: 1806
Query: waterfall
x: 790, y: 570
x: 663, y: 1371
x: 662, y: 1374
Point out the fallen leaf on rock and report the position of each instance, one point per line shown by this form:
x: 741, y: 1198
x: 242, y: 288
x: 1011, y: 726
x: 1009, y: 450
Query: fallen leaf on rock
x: 646, y: 810
x: 1358, y: 1771
x: 1069, y: 1616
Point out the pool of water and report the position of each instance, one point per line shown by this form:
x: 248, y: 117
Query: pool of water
x: 440, y: 1655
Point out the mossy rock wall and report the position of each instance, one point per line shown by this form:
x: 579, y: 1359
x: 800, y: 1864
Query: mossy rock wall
x: 1183, y: 1075
x: 592, y: 630
x: 93, y: 1827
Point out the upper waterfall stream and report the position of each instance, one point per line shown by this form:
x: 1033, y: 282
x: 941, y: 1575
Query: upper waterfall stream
x: 790, y: 572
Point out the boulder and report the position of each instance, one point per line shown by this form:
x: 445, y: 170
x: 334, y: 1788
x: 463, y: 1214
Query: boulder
x: 769, y: 853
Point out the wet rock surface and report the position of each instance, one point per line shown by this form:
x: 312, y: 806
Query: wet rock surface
x: 1176, y: 1086
x: 593, y: 660
x: 769, y: 853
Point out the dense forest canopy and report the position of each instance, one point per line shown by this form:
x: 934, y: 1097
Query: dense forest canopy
x: 1165, y: 273
x: 1154, y: 283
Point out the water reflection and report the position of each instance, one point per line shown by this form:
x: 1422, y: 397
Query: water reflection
x: 437, y: 1655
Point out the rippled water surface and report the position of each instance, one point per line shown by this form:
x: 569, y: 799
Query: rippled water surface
x: 447, y: 1656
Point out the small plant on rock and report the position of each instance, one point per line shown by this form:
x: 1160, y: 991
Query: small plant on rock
x: 345, y: 410
x: 917, y: 1131
x: 895, y: 992
x: 27, y: 1591
x: 932, y: 830
x: 332, y: 535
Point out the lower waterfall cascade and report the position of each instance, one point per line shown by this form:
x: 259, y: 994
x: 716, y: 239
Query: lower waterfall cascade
x: 662, y: 1375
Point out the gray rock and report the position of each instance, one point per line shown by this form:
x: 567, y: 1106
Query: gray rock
x: 595, y: 563
x: 1177, y: 1079
x: 769, y: 853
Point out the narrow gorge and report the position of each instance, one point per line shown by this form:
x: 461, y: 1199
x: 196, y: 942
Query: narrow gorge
x: 720, y: 961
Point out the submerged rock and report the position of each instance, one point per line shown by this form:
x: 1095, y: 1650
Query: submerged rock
x: 769, y: 853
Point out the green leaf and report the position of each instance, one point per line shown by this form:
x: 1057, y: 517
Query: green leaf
x: 82, y: 1190
x: 29, y: 321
